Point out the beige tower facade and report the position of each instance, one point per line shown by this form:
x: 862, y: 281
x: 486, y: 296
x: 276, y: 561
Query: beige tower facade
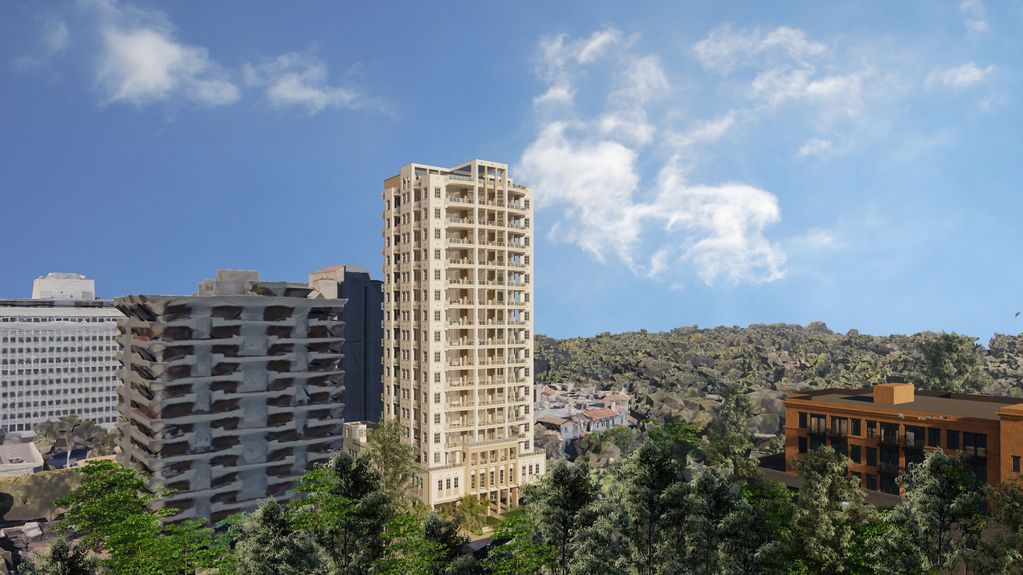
x: 458, y: 328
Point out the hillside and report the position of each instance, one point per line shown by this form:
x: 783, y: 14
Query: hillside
x: 670, y: 374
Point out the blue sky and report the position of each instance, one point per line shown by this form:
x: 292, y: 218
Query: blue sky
x: 693, y: 163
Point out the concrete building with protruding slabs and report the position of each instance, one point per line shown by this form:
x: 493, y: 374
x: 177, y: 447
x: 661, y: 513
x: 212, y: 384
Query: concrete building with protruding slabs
x: 58, y: 356
x: 231, y: 394
x: 458, y: 329
x: 362, y: 353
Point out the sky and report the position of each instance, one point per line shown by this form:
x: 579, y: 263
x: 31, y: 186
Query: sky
x: 692, y: 163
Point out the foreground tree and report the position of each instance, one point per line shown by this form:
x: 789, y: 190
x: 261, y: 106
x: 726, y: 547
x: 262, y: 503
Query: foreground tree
x: 829, y: 508
x: 1003, y: 552
x: 942, y: 510
x: 559, y: 500
x: 269, y: 543
x: 393, y: 459
x: 63, y: 558
x: 953, y: 363
x: 109, y: 513
x: 523, y: 552
x: 647, y: 476
x: 408, y: 550
x: 345, y: 512
x: 729, y: 437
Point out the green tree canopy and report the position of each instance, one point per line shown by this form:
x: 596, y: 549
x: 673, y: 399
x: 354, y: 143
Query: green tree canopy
x: 952, y: 362
x: 394, y: 460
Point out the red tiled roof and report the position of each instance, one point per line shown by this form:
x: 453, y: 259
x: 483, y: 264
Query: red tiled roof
x: 600, y: 413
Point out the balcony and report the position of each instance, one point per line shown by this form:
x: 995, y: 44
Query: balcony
x: 891, y: 439
x: 888, y: 468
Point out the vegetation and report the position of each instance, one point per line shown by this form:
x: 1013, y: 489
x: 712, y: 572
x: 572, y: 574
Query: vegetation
x: 670, y: 374
x: 69, y: 432
x: 657, y: 511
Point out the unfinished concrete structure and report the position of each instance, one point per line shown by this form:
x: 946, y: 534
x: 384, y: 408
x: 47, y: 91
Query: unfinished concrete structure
x: 229, y: 395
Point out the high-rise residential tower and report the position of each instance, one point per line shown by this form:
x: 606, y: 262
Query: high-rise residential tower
x: 229, y: 395
x: 458, y: 328
x: 363, y: 317
x: 58, y: 355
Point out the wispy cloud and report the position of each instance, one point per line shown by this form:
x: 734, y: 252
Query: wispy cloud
x: 816, y: 147
x: 52, y: 40
x: 586, y: 170
x: 961, y: 77
x: 725, y: 48
x: 300, y: 80
x: 974, y: 15
x: 139, y: 58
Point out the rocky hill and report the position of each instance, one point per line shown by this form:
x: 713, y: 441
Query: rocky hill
x: 671, y: 374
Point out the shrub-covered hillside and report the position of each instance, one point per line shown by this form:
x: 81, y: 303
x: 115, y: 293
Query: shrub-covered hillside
x: 671, y: 373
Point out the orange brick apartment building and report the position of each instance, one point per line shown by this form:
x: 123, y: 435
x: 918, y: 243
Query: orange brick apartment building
x: 885, y: 427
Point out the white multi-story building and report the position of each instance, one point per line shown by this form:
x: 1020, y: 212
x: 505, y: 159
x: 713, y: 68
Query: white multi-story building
x: 58, y: 355
x: 458, y: 328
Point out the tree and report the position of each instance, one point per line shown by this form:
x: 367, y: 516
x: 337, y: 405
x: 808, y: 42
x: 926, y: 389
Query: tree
x: 71, y: 430
x: 648, y: 474
x: 953, y: 363
x: 759, y: 544
x: 1003, y: 552
x: 109, y: 512
x: 63, y: 558
x: 558, y: 501
x: 942, y: 509
x: 729, y: 435
x: 448, y: 534
x: 393, y: 459
x: 523, y: 552
x: 268, y: 543
x: 829, y: 507
x: 471, y: 513
x: 600, y: 544
x: 408, y: 550
x: 107, y: 495
x: 345, y: 512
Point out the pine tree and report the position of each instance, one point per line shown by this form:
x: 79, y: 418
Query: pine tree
x: 268, y: 543
x: 729, y: 436
x: 942, y: 509
x: 828, y: 509
x: 558, y: 501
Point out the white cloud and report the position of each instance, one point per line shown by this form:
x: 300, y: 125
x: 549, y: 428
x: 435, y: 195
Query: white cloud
x: 298, y: 80
x: 144, y: 65
x: 55, y: 36
x: 559, y: 57
x: 53, y: 40
x: 817, y: 147
x: 959, y: 77
x: 975, y: 14
x: 587, y: 172
x: 725, y: 48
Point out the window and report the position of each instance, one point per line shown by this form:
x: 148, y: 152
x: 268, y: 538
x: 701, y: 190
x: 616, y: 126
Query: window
x: 952, y: 439
x: 1015, y: 463
x: 872, y: 456
x: 975, y: 444
x: 802, y: 445
x: 436, y: 192
x: 854, y: 453
x: 856, y: 427
x: 872, y: 482
x: 802, y: 420
x: 436, y: 213
x: 933, y: 437
x: 871, y: 429
x: 818, y: 424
